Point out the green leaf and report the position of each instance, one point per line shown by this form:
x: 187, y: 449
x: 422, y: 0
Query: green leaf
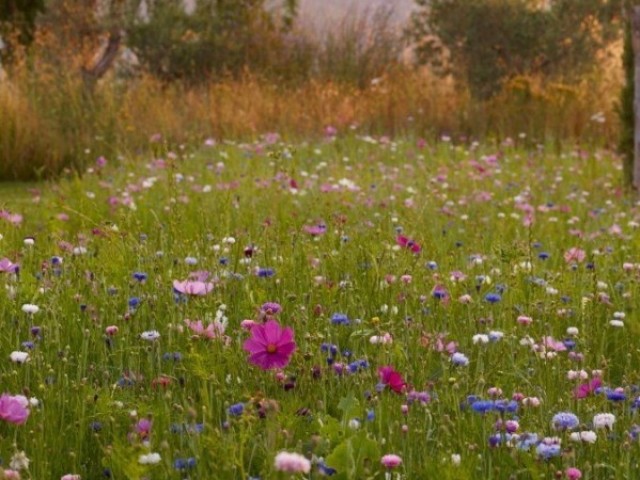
x: 353, y: 456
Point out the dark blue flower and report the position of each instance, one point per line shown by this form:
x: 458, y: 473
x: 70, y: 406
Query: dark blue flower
x: 266, y: 272
x: 325, y: 470
x: 134, y: 302
x: 236, y: 409
x: 140, y: 276
x: 340, y: 319
x: 492, y: 297
x: 616, y: 396
x: 543, y: 255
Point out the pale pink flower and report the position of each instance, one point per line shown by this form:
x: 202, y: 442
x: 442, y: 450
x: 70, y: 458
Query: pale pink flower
x: 213, y: 330
x: 292, y: 463
x: 192, y: 287
x: 575, y: 254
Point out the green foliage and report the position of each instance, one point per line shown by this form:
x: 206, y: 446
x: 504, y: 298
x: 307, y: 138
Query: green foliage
x: 489, y: 41
x: 219, y: 37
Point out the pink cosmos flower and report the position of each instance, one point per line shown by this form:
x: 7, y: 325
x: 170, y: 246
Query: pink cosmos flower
x: 7, y: 266
x: 213, y: 330
x: 389, y: 376
x: 391, y: 460
x: 11, y: 474
x: 270, y: 345
x: 409, y: 244
x: 13, y: 408
x: 192, y: 287
x: 585, y: 389
x: 574, y: 254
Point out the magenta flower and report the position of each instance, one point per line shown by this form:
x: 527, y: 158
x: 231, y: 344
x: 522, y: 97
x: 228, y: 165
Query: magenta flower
x: 389, y: 376
x: 391, y: 460
x: 192, y: 287
x: 407, y: 243
x: 585, y: 389
x: 270, y: 345
x: 13, y: 408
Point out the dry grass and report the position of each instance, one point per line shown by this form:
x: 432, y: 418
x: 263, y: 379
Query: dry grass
x: 51, y: 120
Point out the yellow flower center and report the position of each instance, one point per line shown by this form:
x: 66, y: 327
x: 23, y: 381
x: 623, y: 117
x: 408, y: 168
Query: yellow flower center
x: 271, y: 348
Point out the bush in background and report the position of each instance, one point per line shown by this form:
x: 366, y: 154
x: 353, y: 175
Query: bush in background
x: 488, y: 42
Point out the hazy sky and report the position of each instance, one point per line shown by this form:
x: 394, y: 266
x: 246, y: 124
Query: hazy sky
x: 323, y: 12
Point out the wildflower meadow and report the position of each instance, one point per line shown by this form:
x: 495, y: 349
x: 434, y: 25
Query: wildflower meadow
x: 356, y: 308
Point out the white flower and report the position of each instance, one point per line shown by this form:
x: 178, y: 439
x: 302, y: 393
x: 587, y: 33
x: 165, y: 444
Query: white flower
x: 604, y: 420
x: 191, y: 260
x: 573, y: 331
x: 588, y: 436
x: 354, y: 424
x: 30, y: 308
x: 150, y: 335
x: 456, y: 459
x: 29, y: 241
x: 19, y: 357
x: 79, y: 250
x: 480, y: 338
x: 619, y: 315
x: 616, y: 323
x: 381, y: 339
x: 149, y: 458
x: 19, y: 461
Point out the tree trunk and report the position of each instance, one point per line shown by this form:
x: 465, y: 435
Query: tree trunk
x: 95, y: 72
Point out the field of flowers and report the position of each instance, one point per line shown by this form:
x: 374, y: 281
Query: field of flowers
x: 359, y: 308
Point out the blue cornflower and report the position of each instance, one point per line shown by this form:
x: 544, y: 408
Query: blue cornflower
x: 236, y: 409
x: 615, y: 396
x: 140, y: 276
x: 526, y: 441
x: 28, y: 345
x: 482, y: 406
x: 548, y: 450
x: 184, y: 463
x: 510, y: 406
x: 371, y: 415
x: 565, y: 421
x: 569, y: 343
x: 134, y: 302
x: 340, y: 319
x: 324, y: 469
x: 492, y: 297
x: 459, y: 359
x: 432, y: 265
x: 223, y: 261
x: 266, y: 272
x: 95, y: 426
x: 543, y: 255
